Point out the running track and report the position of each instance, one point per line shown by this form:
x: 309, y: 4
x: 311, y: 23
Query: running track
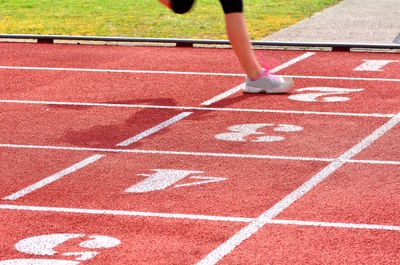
x: 153, y: 155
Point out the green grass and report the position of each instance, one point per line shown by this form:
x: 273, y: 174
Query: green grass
x: 147, y: 18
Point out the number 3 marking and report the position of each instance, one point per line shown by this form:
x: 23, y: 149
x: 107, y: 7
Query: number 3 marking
x: 238, y: 133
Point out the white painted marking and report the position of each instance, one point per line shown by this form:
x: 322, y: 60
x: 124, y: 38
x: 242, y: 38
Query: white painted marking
x: 292, y: 62
x: 164, y: 152
x: 44, y: 244
x: 373, y: 65
x: 189, y: 73
x: 124, y: 213
x: 205, y: 180
x: 85, y: 255
x: 288, y: 128
x: 323, y: 94
x: 239, y: 87
x: 346, y: 78
x: 53, y: 178
x: 268, y: 139
x: 183, y: 153
x: 33, y: 68
x: 161, y: 179
x: 196, y: 217
x: 227, y: 247
x: 239, y: 133
x: 155, y: 129
x: 93, y: 159
x: 223, y: 95
x: 336, y: 225
x: 374, y: 162
x: 105, y: 105
x: 99, y: 241
x: 38, y: 262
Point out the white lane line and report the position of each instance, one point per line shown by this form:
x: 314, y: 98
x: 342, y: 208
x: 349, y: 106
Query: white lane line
x: 93, y: 158
x: 345, y: 78
x: 292, y: 62
x: 32, y: 68
x: 197, y: 217
x: 35, y: 68
x: 155, y: 129
x: 227, y: 247
x: 53, y: 178
x: 189, y: 108
x: 165, y: 152
x: 336, y: 225
x: 200, y: 154
x: 374, y: 162
x: 125, y: 213
x: 239, y: 87
x: 126, y: 71
x: 223, y: 95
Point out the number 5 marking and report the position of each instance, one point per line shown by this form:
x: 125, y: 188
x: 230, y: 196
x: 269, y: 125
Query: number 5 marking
x: 323, y: 94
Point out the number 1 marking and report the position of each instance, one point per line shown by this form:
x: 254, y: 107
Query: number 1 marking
x: 161, y: 179
x: 164, y: 178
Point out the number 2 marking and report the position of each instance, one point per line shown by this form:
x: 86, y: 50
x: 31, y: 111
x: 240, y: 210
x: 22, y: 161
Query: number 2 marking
x: 323, y: 94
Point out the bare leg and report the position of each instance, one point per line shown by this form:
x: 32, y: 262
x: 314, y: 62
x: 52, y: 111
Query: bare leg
x: 240, y: 41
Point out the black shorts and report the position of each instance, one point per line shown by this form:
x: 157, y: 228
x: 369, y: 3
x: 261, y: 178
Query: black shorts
x: 229, y: 6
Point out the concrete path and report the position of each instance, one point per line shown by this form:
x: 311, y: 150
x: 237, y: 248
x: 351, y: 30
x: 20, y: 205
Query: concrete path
x: 350, y: 21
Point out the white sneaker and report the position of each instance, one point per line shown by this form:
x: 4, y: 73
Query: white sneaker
x: 268, y: 83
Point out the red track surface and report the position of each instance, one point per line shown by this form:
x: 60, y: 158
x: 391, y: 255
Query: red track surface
x: 224, y: 166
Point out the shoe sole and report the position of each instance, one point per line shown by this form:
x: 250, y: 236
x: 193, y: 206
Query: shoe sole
x: 286, y: 88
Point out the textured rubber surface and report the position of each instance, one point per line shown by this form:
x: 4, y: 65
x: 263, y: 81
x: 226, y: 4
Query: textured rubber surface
x: 197, y: 173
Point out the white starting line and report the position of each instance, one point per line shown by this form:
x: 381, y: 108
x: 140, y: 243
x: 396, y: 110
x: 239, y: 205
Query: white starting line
x: 191, y: 108
x: 127, y: 71
x: 197, y: 154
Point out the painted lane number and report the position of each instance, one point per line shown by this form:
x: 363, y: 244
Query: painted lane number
x: 374, y: 65
x: 323, y: 94
x: 242, y: 132
x: 162, y: 179
x: 45, y: 246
